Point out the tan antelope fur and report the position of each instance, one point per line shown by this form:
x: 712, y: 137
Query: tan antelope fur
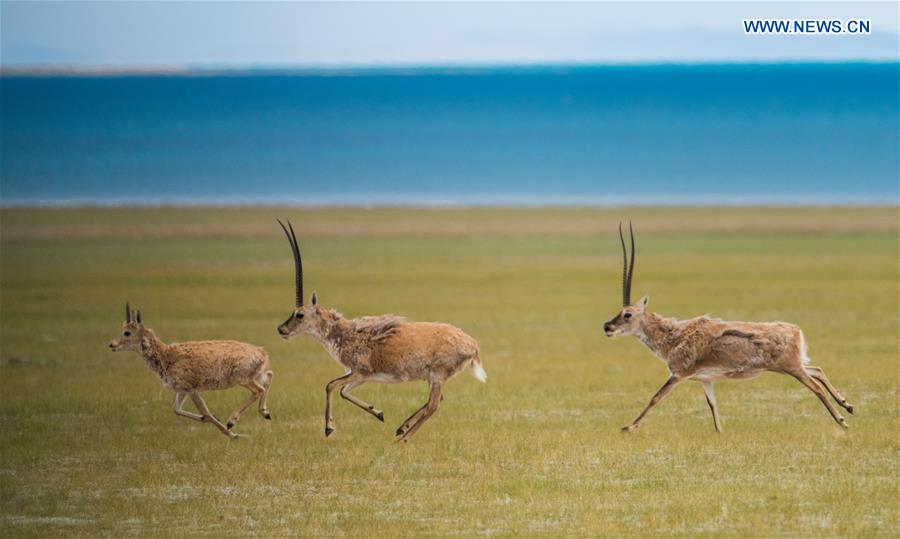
x: 384, y: 349
x: 707, y: 349
x: 190, y: 367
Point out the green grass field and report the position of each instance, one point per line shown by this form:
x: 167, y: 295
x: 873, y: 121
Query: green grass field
x: 90, y: 445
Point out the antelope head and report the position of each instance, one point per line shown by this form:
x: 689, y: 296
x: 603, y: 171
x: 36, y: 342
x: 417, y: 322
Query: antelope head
x: 305, y: 317
x: 628, y: 320
x: 129, y: 339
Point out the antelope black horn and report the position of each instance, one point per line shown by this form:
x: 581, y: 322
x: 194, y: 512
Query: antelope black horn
x: 127, y: 312
x: 298, y: 264
x: 625, y: 289
x: 631, y: 265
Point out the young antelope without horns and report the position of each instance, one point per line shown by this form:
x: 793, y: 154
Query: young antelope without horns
x: 190, y: 367
x: 383, y: 349
x: 707, y: 349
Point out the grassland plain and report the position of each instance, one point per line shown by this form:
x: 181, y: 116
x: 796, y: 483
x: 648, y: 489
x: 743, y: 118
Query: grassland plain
x: 90, y: 445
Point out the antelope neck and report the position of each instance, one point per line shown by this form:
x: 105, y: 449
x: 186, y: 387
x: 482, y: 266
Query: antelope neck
x: 153, y: 350
x: 656, y: 332
x: 331, y: 331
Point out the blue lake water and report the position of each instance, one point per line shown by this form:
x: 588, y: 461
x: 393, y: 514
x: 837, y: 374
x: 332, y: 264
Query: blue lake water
x: 663, y: 134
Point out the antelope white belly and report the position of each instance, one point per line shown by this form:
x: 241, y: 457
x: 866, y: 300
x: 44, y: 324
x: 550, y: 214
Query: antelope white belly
x: 384, y: 378
x: 712, y: 374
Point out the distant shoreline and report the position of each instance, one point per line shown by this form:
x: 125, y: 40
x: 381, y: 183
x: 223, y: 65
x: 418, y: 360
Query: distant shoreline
x: 461, y: 202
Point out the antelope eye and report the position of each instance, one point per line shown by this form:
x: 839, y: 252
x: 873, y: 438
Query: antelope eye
x: 627, y: 316
x: 127, y: 334
x: 298, y: 316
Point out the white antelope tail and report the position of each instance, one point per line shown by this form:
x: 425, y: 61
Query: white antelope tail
x: 804, y: 349
x: 478, y: 370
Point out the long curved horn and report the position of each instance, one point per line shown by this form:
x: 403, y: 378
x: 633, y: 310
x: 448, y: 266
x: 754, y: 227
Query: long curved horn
x: 626, y: 288
x: 298, y: 264
x: 127, y: 312
x: 631, y: 265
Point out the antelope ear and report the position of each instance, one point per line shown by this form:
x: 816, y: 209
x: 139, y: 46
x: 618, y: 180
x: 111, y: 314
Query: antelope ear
x: 313, y: 300
x: 137, y: 316
x: 644, y: 302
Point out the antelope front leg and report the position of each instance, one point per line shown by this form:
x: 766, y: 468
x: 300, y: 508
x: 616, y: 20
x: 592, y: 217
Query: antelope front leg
x: 434, y: 399
x: 711, y: 400
x: 179, y: 403
x: 670, y: 383
x: 329, y: 391
x: 207, y: 415
x: 345, y: 393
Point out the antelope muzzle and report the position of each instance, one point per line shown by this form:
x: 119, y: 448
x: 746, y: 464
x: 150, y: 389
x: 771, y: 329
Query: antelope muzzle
x: 284, y: 331
x: 609, y: 328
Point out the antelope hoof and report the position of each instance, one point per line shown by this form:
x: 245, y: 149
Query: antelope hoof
x: 400, y: 430
x: 380, y: 416
x: 230, y: 424
x: 328, y: 431
x: 629, y: 428
x: 267, y: 415
x: 844, y: 423
x: 850, y: 408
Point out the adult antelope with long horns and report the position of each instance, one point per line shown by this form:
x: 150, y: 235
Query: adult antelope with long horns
x: 383, y: 349
x: 706, y: 349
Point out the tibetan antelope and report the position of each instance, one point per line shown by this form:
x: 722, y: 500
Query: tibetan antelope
x: 189, y: 367
x: 384, y: 349
x: 707, y: 349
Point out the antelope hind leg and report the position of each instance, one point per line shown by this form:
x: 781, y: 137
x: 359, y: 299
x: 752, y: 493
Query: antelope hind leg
x: 819, y: 374
x: 413, y: 418
x: 264, y: 400
x: 256, y: 392
x: 410, y: 420
x: 811, y: 384
x: 434, y: 399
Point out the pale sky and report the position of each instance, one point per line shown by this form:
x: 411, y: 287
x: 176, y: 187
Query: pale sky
x: 311, y: 34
